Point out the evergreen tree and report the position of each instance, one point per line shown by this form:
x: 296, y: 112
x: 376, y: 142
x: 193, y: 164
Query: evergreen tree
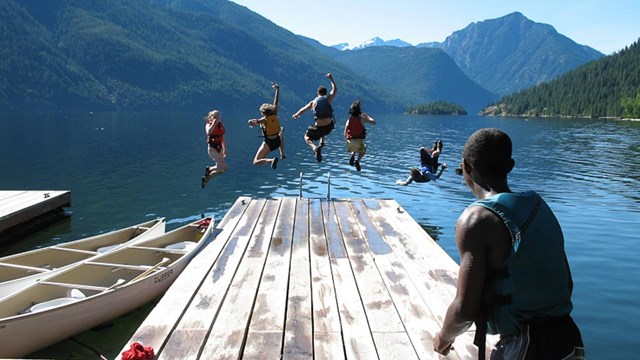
x: 602, y: 88
x: 437, y: 108
x: 631, y: 107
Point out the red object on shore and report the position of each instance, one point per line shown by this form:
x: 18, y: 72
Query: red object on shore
x: 138, y: 352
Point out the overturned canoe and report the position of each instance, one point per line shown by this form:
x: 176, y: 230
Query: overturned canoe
x: 21, y: 270
x: 97, y: 290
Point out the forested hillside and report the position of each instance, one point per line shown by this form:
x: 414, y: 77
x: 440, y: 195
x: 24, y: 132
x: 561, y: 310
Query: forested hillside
x: 599, y: 89
x: 35, y: 73
x: 149, y: 55
x: 422, y: 75
x: 72, y: 55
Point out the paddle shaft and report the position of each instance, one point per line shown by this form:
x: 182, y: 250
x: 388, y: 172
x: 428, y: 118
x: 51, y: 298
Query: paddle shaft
x: 151, y: 269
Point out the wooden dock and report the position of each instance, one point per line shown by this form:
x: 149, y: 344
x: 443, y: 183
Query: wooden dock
x: 298, y: 278
x: 28, y: 209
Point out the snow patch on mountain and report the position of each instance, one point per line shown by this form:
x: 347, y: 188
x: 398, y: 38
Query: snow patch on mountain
x: 376, y: 41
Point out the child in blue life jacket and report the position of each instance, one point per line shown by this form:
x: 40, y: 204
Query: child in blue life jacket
x: 355, y: 133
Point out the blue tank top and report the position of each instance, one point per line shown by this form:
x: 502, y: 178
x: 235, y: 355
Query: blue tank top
x: 535, y: 281
x: 323, y: 108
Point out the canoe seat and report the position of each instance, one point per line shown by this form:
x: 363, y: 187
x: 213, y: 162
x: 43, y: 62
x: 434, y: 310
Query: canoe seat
x: 183, y: 245
x: 73, y: 295
x: 104, y: 249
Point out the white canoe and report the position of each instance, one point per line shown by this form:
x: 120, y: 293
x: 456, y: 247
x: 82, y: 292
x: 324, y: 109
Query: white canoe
x: 95, y: 291
x: 21, y: 270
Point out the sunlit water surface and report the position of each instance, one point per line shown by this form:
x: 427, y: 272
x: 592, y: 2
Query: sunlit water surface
x: 123, y: 169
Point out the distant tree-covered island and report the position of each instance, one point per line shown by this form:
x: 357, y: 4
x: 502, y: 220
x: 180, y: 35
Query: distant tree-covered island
x: 436, y: 108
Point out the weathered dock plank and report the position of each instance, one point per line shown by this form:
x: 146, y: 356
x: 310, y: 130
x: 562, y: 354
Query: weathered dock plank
x: 358, y: 342
x: 191, y: 333
x: 265, y: 335
x: 298, y: 335
x: 295, y: 278
x: 326, y: 321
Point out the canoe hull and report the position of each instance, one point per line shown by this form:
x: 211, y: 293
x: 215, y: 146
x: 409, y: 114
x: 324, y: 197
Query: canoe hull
x: 49, y: 327
x: 25, y: 333
x: 23, y: 269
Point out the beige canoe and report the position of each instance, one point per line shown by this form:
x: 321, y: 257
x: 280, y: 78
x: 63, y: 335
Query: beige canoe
x: 23, y: 269
x: 95, y: 291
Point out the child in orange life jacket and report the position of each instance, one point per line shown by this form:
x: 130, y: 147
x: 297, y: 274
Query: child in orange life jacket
x: 355, y: 133
x: 217, y: 148
x: 271, y: 130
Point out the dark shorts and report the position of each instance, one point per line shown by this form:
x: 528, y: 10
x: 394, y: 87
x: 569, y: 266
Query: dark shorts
x: 556, y: 338
x: 217, y: 146
x: 316, y: 132
x: 427, y: 161
x: 273, y: 143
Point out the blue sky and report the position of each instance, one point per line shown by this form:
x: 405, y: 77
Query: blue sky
x: 605, y: 25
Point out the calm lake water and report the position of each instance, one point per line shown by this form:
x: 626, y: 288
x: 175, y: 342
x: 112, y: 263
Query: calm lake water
x: 123, y: 169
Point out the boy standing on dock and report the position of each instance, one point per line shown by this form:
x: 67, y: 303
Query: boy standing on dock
x: 514, y: 275
x: 322, y: 115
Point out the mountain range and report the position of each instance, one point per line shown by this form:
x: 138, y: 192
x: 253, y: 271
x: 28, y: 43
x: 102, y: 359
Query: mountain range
x: 507, y: 54
x: 376, y: 41
x: 422, y: 75
x: 76, y: 55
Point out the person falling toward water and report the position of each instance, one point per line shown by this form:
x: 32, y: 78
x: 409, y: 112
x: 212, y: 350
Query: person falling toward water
x: 355, y: 133
x: 216, y: 146
x: 323, y: 117
x: 429, y: 164
x: 271, y: 131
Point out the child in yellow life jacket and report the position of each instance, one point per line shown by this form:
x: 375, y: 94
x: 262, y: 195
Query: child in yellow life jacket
x: 271, y: 130
x: 355, y: 133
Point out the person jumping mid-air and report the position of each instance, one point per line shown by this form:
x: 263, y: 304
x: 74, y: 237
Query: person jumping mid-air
x: 271, y: 130
x: 217, y: 147
x: 323, y: 116
x: 355, y: 133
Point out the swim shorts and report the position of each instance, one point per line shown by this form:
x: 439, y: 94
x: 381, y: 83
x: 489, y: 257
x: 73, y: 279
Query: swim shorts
x: 356, y: 145
x: 316, y: 132
x: 273, y: 143
x: 556, y: 338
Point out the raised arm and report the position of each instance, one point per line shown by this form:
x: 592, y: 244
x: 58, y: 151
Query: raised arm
x: 276, y: 96
x: 334, y: 87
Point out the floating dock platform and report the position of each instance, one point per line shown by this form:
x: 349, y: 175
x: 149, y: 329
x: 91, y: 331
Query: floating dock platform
x: 299, y: 278
x: 22, y: 211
